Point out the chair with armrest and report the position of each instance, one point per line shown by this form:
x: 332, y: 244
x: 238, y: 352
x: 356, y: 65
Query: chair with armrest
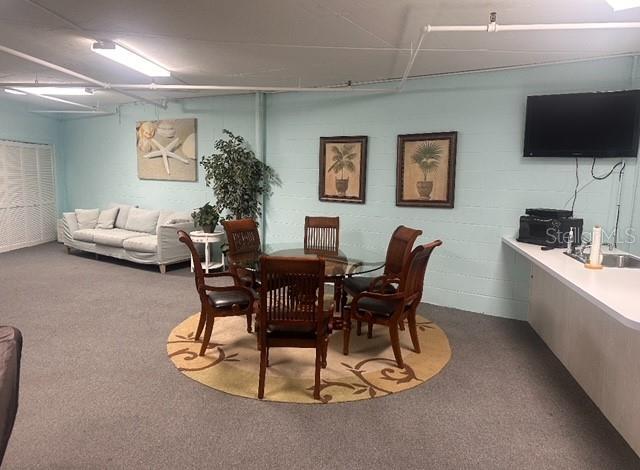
x: 291, y: 311
x: 389, y: 309
x: 217, y: 301
x: 10, y: 356
x: 398, y: 252
x: 244, y: 241
x: 322, y: 234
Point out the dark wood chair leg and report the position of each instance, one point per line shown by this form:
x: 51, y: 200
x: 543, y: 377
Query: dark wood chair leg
x: 263, y: 371
x: 370, y: 330
x: 248, y: 323
x: 346, y: 333
x: 201, y: 322
x: 413, y: 331
x: 268, y: 350
x: 325, y: 348
x: 401, y: 324
x: 207, y: 334
x: 395, y: 343
x: 359, y: 327
x: 316, y: 387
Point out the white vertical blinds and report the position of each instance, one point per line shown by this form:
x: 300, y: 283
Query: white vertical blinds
x: 27, y: 195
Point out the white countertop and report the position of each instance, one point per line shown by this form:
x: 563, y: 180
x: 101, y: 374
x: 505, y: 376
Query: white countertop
x: 615, y: 290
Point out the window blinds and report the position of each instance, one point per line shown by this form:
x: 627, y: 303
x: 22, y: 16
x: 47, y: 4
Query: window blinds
x: 27, y: 195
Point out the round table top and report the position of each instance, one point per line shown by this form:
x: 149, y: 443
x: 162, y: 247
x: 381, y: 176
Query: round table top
x: 198, y: 235
x: 348, y: 260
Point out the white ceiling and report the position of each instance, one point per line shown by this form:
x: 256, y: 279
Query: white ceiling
x: 291, y: 42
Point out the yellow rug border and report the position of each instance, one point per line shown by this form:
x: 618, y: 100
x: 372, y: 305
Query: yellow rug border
x: 301, y: 394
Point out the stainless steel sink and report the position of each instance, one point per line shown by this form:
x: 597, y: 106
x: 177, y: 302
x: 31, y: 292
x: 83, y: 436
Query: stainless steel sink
x: 620, y: 261
x: 611, y: 260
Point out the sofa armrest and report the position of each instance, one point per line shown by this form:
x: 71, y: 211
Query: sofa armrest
x: 170, y: 249
x: 70, y: 225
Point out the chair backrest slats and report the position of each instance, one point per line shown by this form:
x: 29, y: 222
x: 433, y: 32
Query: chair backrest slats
x: 292, y: 290
x: 322, y: 233
x: 242, y: 236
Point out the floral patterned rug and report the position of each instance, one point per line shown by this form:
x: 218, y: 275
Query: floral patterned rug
x: 231, y: 363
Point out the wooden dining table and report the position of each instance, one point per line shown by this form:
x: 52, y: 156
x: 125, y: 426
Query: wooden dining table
x: 346, y: 262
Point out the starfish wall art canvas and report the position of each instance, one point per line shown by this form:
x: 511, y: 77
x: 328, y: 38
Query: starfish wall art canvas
x: 166, y: 150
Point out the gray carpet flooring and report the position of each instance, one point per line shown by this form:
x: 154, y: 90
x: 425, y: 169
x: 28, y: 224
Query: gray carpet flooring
x: 99, y: 392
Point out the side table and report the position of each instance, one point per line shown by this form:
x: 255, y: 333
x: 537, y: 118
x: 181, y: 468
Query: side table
x: 208, y: 239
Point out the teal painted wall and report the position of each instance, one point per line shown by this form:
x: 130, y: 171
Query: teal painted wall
x: 100, y: 153
x: 494, y: 184
x: 17, y: 123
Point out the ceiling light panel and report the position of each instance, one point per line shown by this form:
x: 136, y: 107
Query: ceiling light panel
x: 623, y: 4
x: 129, y: 59
x: 56, y: 91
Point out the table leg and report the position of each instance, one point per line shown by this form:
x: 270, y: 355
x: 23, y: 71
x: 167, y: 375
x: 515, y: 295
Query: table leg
x: 206, y: 257
x: 338, y: 319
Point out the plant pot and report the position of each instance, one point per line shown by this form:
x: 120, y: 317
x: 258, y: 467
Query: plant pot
x: 208, y: 228
x: 424, y: 189
x: 342, y: 185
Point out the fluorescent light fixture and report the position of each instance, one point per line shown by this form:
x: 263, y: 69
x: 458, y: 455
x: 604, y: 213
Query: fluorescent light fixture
x: 11, y: 91
x: 623, y: 4
x: 115, y: 52
x: 55, y: 90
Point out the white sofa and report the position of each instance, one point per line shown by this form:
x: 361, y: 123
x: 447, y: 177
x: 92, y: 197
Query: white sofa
x: 134, y: 234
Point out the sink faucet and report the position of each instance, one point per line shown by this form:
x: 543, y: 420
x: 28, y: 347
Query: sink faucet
x: 580, y: 249
x: 570, y: 241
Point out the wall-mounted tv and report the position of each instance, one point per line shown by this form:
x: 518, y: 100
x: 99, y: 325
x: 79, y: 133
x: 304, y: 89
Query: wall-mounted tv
x: 605, y: 124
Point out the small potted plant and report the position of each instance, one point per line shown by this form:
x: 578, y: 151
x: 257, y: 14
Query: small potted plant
x: 206, y: 217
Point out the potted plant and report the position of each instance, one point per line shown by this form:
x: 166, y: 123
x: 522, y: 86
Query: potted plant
x: 427, y: 157
x: 342, y: 160
x: 237, y: 177
x: 206, y: 217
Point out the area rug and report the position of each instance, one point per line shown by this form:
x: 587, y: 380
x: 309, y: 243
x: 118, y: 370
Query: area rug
x: 231, y: 363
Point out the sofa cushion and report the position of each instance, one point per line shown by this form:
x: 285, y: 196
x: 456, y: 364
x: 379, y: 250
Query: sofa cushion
x: 144, y: 244
x: 87, y: 218
x: 114, y: 237
x: 142, y: 220
x: 107, y: 218
x: 123, y: 213
x: 84, y: 235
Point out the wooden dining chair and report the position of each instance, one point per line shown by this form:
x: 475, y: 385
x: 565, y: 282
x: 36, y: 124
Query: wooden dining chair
x: 376, y: 307
x: 291, y: 311
x: 322, y: 234
x: 244, y: 240
x: 217, y: 301
x: 398, y: 252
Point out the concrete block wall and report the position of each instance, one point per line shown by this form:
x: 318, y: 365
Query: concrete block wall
x: 494, y: 183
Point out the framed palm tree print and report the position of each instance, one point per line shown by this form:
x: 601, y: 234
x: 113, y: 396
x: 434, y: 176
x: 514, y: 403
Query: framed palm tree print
x: 343, y: 169
x: 426, y: 169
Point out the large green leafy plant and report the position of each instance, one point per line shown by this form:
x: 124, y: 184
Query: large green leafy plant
x: 237, y: 177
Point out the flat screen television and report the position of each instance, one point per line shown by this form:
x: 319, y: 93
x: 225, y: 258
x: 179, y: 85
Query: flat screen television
x: 604, y: 124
